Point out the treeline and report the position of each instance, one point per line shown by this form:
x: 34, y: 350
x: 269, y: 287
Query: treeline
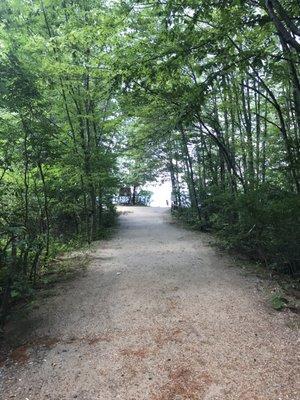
x: 58, y: 167
x: 101, y: 95
x: 216, y: 95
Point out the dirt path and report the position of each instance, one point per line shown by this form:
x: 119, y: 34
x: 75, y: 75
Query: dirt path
x: 159, y: 316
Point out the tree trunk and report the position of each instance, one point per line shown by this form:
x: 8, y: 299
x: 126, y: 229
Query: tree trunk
x: 190, y: 172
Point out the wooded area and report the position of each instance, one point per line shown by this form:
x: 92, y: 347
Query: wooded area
x: 100, y: 95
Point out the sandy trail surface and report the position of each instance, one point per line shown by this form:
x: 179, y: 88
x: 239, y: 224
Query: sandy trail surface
x: 160, y: 315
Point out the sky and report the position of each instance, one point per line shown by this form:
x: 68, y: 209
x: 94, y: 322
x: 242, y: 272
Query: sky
x: 161, y: 193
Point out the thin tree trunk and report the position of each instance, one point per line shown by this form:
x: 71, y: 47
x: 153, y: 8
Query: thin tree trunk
x: 190, y: 172
x: 46, y: 210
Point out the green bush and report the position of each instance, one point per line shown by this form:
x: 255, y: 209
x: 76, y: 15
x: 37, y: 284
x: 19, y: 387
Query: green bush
x: 265, y: 224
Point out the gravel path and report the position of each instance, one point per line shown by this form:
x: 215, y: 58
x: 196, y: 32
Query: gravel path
x: 158, y: 316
